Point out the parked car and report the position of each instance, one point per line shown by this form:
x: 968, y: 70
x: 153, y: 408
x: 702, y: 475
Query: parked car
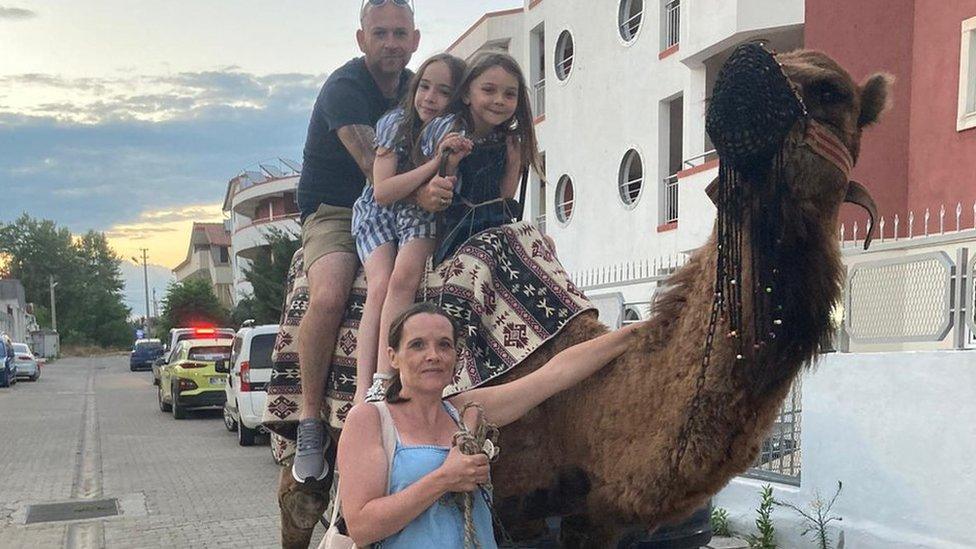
x: 27, y: 365
x: 8, y: 371
x: 144, y: 353
x: 182, y: 334
x: 247, y: 380
x: 190, y: 380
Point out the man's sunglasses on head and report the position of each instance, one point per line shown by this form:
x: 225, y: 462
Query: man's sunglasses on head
x: 406, y: 3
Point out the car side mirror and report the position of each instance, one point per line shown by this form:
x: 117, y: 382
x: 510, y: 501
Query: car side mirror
x: 221, y: 367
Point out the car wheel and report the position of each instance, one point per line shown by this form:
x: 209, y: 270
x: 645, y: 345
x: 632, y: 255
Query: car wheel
x: 163, y: 407
x: 36, y: 376
x: 179, y: 412
x: 229, y: 420
x: 245, y: 435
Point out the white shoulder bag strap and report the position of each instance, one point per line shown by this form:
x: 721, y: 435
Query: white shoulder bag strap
x: 389, y: 436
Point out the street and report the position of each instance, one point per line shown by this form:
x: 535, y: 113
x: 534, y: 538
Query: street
x: 90, y: 429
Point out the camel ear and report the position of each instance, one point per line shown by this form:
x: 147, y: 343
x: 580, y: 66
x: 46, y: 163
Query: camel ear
x: 875, y: 98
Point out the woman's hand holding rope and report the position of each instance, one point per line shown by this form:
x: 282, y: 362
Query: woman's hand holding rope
x: 463, y: 473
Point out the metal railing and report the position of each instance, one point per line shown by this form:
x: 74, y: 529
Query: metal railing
x: 670, y: 209
x: 672, y: 18
x: 911, y: 227
x: 264, y: 220
x: 565, y: 65
x: 630, y: 190
x: 539, y: 99
x: 700, y: 159
x: 564, y: 210
x: 780, y: 455
x: 627, y: 274
x: 629, y: 28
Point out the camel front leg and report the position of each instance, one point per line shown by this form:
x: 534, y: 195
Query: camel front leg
x: 301, y: 505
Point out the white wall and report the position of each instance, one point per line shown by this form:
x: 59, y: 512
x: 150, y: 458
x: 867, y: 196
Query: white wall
x: 898, y: 430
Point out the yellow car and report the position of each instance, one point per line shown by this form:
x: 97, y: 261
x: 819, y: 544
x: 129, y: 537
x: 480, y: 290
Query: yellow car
x: 191, y: 380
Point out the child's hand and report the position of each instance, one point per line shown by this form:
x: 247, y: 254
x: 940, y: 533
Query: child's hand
x: 457, y: 145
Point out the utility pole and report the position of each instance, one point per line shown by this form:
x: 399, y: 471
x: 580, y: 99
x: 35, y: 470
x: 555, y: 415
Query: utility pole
x: 155, y: 305
x: 54, y: 309
x: 145, y: 279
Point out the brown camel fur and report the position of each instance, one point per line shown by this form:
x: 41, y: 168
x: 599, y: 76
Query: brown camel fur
x: 603, y: 450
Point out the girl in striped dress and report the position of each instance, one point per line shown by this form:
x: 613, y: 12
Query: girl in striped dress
x: 394, y: 236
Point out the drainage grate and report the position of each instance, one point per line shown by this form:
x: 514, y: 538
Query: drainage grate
x: 72, y: 510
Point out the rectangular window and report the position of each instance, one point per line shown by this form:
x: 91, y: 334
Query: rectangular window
x: 224, y: 255
x: 670, y: 23
x: 537, y: 69
x: 967, y: 76
x: 671, y: 137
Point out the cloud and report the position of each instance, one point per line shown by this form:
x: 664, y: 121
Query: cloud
x: 97, y: 153
x: 16, y: 14
x: 147, y: 98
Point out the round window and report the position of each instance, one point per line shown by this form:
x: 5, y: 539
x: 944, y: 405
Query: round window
x: 629, y: 18
x: 630, y: 316
x: 630, y: 180
x: 564, y: 199
x: 564, y: 55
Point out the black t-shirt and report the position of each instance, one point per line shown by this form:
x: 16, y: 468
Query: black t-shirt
x: 329, y: 173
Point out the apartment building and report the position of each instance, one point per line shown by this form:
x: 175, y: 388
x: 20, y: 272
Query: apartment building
x: 259, y: 200
x: 208, y: 257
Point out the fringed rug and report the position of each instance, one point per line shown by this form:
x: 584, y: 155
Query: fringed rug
x: 505, y: 287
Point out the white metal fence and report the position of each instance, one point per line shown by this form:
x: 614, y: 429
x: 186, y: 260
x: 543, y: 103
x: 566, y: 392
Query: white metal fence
x: 670, y: 209
x: 672, y: 28
x: 539, y: 97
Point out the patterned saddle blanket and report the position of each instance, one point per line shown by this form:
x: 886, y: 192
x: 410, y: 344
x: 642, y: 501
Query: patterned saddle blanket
x: 504, y: 286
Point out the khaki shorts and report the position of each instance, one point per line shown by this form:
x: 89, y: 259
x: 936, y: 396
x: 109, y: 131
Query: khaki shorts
x: 327, y: 231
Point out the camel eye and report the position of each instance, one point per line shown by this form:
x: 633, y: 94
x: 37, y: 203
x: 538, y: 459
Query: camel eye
x: 826, y: 93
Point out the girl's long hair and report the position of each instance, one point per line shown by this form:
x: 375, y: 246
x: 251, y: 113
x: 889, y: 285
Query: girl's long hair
x: 522, y: 124
x: 408, y: 134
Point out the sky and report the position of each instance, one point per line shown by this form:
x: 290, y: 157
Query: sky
x: 130, y: 116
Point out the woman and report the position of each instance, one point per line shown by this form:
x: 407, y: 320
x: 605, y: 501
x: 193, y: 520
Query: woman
x: 423, y: 351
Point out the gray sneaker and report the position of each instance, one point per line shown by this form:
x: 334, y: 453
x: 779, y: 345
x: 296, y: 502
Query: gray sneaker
x: 310, y: 464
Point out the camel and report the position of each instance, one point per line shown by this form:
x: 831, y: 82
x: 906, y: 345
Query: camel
x: 651, y: 437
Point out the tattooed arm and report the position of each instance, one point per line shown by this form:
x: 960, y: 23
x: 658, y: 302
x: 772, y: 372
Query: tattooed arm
x: 359, y: 141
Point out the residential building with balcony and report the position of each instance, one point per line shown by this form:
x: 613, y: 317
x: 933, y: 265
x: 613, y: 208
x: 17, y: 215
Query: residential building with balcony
x: 259, y: 200
x: 208, y: 258
x: 620, y: 89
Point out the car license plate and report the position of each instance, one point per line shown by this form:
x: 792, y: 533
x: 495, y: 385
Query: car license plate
x: 217, y: 380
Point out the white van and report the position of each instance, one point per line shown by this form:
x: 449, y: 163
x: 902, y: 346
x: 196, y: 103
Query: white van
x: 248, y: 380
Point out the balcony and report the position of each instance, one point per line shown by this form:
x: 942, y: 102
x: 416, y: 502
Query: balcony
x: 672, y: 24
x: 669, y: 210
x: 716, y: 25
x: 251, y: 236
x: 245, y: 201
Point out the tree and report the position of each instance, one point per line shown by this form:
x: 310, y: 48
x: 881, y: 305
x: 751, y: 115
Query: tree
x: 190, y: 302
x: 89, y: 281
x: 268, y: 273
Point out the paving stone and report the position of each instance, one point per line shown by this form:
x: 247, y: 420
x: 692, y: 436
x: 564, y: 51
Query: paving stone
x: 180, y: 483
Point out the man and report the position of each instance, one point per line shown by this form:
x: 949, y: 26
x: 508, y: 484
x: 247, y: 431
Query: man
x: 338, y: 161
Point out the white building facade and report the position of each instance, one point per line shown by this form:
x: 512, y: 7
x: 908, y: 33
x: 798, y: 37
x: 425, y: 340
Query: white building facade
x: 619, y: 91
x: 260, y: 200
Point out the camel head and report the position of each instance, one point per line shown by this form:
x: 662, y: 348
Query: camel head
x: 838, y: 110
x: 801, y: 109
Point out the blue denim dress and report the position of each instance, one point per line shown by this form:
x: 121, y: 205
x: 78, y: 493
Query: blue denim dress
x: 441, y: 525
